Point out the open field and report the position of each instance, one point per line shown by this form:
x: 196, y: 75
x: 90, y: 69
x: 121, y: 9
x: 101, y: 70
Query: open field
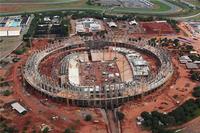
x: 8, y: 45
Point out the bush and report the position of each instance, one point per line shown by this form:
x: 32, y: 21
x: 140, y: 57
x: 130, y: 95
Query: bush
x: 89, y: 2
x: 46, y: 130
x: 157, y: 121
x: 20, y: 51
x: 195, y: 76
x: 194, y: 57
x: 88, y: 117
x: 7, y: 93
x: 196, y: 92
x: 10, y: 130
x: 69, y: 130
x: 173, y: 23
x: 120, y: 115
x: 31, y: 30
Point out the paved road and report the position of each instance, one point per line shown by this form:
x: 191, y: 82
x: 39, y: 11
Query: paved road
x: 187, y: 17
x: 36, y: 3
x: 173, y: 8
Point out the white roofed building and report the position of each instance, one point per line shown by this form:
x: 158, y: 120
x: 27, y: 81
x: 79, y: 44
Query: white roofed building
x: 133, y: 22
x: 112, y: 24
x: 18, y: 107
x: 86, y: 25
x: 10, y: 31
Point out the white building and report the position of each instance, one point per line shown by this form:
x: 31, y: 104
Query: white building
x: 112, y: 24
x: 10, y: 31
x: 88, y: 25
x: 133, y: 22
x: 3, y: 31
x: 18, y: 107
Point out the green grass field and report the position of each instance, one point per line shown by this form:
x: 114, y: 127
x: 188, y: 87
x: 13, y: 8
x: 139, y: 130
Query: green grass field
x: 33, y: 1
x: 195, y: 2
x: 159, y: 8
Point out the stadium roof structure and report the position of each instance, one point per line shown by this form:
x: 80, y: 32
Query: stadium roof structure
x: 139, y: 62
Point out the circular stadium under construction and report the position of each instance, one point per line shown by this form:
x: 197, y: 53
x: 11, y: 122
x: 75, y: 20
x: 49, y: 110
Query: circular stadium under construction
x: 102, y: 74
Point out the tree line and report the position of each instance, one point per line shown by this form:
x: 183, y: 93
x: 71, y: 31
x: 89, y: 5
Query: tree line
x: 158, y: 122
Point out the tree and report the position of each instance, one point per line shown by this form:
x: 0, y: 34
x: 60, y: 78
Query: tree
x: 46, y: 130
x: 20, y: 51
x: 196, y: 91
x: 176, y: 42
x: 7, y: 92
x: 88, y: 117
x: 68, y: 130
x: 198, y: 102
x: 146, y: 115
x: 89, y: 2
x: 189, y: 47
x: 158, y: 122
x: 169, y: 120
x: 195, y: 76
x: 179, y: 115
x: 120, y: 115
x: 10, y: 130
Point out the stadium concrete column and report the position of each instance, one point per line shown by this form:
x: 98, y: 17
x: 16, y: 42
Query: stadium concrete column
x: 106, y: 96
x: 94, y: 95
x: 111, y: 96
x: 116, y: 94
x: 88, y: 95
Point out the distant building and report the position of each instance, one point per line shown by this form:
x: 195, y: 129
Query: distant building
x: 185, y: 59
x: 133, y: 22
x: 10, y: 31
x: 192, y: 66
x: 12, y: 25
x: 112, y: 24
x: 18, y: 107
x: 87, y: 25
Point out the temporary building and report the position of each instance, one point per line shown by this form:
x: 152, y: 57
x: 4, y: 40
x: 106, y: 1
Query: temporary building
x: 112, y: 24
x: 18, y: 107
x: 133, y: 22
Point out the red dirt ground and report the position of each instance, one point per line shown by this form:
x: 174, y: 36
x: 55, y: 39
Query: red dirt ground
x: 8, y: 8
x: 157, y: 28
x: 92, y: 74
x: 39, y: 113
x: 161, y: 100
x: 39, y: 43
